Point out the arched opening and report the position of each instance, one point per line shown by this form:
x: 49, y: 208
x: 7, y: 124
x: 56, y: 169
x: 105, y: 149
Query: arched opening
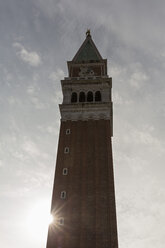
x: 74, y: 97
x: 63, y: 194
x: 90, y: 96
x: 66, y: 150
x: 82, y: 97
x: 65, y: 171
x: 61, y: 221
x: 97, y: 96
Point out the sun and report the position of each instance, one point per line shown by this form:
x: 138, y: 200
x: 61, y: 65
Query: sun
x: 38, y: 219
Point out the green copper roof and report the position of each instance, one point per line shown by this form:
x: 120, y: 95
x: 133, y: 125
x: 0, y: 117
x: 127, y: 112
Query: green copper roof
x: 87, y: 53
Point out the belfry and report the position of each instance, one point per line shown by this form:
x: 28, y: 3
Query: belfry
x: 83, y: 200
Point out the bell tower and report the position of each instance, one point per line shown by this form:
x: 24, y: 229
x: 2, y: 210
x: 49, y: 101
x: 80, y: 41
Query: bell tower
x: 83, y: 200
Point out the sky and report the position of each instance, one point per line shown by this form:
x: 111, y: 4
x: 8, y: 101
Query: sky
x: 37, y: 38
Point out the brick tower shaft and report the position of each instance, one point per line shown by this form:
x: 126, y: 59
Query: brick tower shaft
x: 83, y: 200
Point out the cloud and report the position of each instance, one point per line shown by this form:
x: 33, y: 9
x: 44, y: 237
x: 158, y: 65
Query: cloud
x: 57, y: 75
x: 144, y: 137
x: 51, y: 129
x: 13, y: 100
x: 38, y: 104
x: 141, y: 209
x: 30, y: 57
x: 1, y: 163
x: 31, y: 148
x: 119, y: 100
x: 10, y: 192
x: 138, y: 76
x: 31, y: 89
x: 133, y: 73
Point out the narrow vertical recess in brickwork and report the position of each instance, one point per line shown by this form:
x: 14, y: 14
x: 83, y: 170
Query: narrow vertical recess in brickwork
x: 110, y: 180
x: 113, y: 222
x: 84, y: 134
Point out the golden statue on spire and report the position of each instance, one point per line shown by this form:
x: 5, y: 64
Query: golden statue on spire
x: 88, y: 32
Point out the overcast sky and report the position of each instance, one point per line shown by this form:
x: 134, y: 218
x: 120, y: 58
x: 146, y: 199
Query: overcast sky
x: 37, y: 37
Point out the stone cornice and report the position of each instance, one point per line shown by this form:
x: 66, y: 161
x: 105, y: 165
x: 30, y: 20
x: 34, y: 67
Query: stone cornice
x: 90, y: 80
x: 86, y: 111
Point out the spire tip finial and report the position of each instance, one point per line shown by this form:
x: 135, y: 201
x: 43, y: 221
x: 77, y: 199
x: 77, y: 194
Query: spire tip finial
x: 88, y: 33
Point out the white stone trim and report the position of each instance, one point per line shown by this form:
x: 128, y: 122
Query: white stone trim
x: 86, y: 111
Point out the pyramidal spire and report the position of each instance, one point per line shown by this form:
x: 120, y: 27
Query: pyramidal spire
x: 88, y: 52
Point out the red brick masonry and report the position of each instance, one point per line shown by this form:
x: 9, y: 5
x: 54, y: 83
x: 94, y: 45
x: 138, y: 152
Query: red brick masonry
x: 88, y: 211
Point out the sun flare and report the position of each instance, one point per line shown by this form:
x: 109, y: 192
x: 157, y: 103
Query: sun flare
x: 38, y: 219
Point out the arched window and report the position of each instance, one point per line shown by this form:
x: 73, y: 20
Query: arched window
x: 97, y: 96
x: 66, y: 150
x: 82, y: 97
x: 60, y: 221
x: 68, y: 131
x: 90, y: 96
x: 74, y: 97
x: 65, y: 171
x: 63, y: 195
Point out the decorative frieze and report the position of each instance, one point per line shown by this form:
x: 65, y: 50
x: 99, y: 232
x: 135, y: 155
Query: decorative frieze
x: 87, y: 111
